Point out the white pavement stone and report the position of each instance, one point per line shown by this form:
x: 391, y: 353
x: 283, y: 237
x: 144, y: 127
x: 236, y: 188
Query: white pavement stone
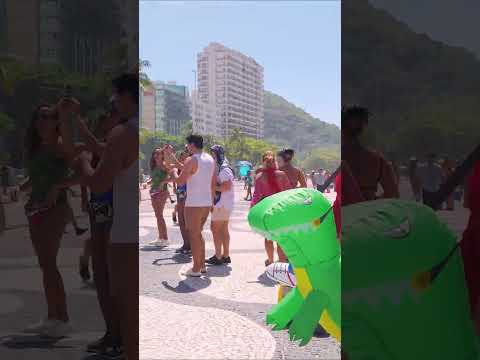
x: 238, y: 283
x: 172, y: 331
x: 10, y: 303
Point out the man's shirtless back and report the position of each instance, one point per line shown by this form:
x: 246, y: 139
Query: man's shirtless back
x: 295, y: 175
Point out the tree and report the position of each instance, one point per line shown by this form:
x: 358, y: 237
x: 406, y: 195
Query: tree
x: 143, y: 77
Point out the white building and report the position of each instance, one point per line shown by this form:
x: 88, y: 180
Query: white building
x: 232, y: 83
x: 147, y: 108
x: 204, y: 117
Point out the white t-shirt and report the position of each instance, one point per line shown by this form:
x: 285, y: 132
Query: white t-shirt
x: 228, y: 197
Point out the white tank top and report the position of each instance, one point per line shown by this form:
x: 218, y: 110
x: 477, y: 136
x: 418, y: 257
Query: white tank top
x: 125, y: 201
x: 199, y: 185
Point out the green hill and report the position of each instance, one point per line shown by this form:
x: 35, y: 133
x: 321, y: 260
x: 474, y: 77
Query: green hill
x: 422, y: 93
x: 288, y: 125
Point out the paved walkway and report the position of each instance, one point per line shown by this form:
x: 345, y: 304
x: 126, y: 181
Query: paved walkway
x: 218, y: 316
x: 22, y: 300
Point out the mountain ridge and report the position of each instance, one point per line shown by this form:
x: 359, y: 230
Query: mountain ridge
x: 421, y: 92
x: 286, y: 124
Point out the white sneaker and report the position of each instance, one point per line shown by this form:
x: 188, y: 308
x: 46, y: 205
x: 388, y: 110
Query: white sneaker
x: 192, y: 273
x: 40, y: 326
x: 159, y: 243
x: 58, y: 330
x: 281, y: 273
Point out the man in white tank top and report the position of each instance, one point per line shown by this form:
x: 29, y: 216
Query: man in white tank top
x: 118, y: 166
x: 199, y: 175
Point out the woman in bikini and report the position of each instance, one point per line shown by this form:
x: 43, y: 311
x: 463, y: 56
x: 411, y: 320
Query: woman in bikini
x: 49, y: 152
x: 159, y: 193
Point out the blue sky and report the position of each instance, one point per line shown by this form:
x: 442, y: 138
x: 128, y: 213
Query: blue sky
x: 297, y: 42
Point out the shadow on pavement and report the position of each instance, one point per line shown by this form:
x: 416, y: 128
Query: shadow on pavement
x: 264, y: 280
x: 183, y: 287
x: 88, y: 285
x: 177, y: 259
x: 147, y: 248
x: 96, y: 357
x: 218, y: 271
x: 26, y: 341
x: 190, y: 284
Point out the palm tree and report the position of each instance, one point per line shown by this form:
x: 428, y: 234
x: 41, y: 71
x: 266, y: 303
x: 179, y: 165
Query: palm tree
x: 143, y: 77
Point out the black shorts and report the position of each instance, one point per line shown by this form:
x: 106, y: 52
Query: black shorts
x: 181, y: 197
x: 101, y: 216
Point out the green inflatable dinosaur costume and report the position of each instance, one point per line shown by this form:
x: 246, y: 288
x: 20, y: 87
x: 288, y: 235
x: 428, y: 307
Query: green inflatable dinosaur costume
x: 403, y: 288
x: 302, y: 222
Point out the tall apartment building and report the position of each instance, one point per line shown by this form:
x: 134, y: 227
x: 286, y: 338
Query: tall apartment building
x: 232, y: 83
x: 23, y: 29
x: 147, y: 107
x: 172, y: 109
x: 35, y: 35
x: 204, y: 117
x: 49, y: 32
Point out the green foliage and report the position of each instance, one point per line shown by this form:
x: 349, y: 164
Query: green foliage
x: 422, y: 93
x: 23, y: 87
x: 327, y: 158
x: 6, y: 123
x: 289, y: 126
x: 143, y: 76
x: 237, y: 146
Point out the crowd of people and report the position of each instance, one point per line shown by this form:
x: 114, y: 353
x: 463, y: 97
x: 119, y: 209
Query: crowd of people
x: 204, y: 184
x: 105, y: 165
x: 425, y: 180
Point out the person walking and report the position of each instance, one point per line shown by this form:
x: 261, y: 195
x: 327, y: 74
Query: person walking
x: 414, y: 178
x: 448, y: 168
x: 222, y: 208
x: 249, y: 183
x: 431, y: 177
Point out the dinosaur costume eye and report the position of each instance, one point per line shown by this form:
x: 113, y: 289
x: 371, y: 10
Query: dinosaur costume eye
x: 400, y: 231
x: 319, y: 221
